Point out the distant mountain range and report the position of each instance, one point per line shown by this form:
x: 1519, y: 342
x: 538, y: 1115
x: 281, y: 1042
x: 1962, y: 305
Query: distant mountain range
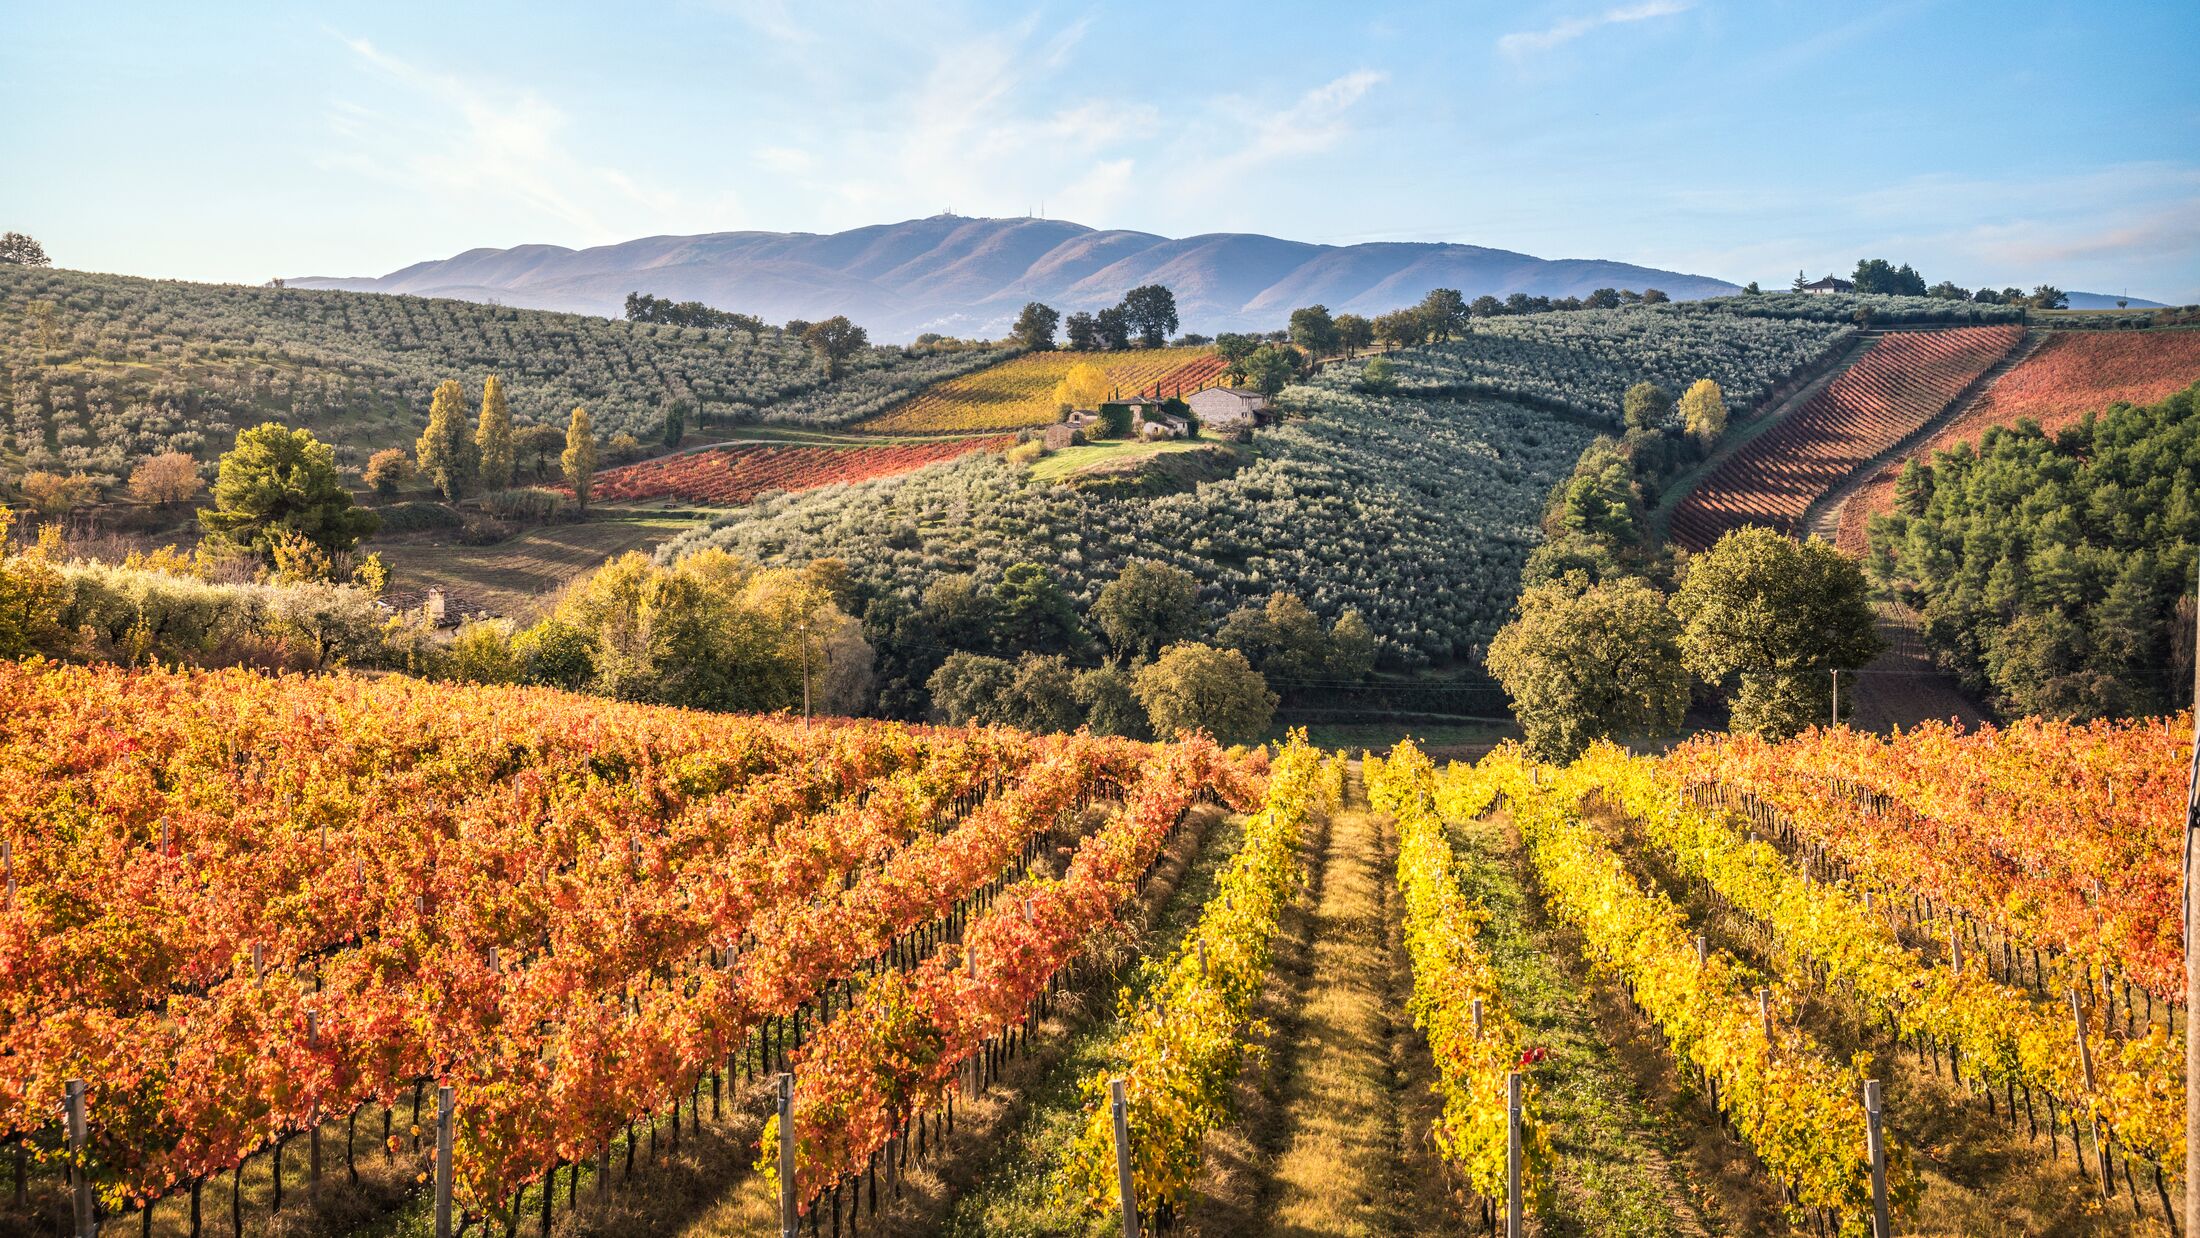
x: 2102, y: 300
x: 961, y: 276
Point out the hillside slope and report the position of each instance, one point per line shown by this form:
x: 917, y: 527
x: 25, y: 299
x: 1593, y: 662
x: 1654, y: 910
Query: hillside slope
x: 968, y: 277
x: 2071, y: 374
x: 103, y: 370
x: 1415, y: 508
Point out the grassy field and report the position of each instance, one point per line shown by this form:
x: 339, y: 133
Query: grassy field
x: 516, y: 577
x: 1071, y: 460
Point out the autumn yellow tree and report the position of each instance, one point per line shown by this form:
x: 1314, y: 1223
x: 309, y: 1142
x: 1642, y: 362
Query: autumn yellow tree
x: 387, y: 469
x: 579, y: 459
x: 493, y: 437
x: 170, y: 477
x: 51, y: 494
x: 1703, y: 412
x: 1085, y: 386
x: 448, y: 456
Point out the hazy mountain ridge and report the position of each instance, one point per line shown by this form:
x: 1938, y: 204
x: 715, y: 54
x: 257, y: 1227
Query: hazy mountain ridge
x: 966, y: 276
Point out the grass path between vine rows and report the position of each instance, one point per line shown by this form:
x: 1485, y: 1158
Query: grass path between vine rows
x: 1635, y: 1150
x: 1343, y: 1137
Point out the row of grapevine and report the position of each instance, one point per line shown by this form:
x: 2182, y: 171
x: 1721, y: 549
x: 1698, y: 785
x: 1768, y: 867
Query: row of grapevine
x: 1902, y: 382
x: 2071, y: 375
x: 163, y: 830
x: 732, y: 475
x: 1794, y: 1106
x: 592, y: 943
x: 1993, y: 1033
x: 2059, y: 836
x: 1179, y: 1050
x: 1472, y: 1035
x: 906, y: 1039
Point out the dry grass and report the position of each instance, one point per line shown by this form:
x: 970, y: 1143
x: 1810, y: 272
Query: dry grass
x: 518, y: 577
x: 1338, y: 1174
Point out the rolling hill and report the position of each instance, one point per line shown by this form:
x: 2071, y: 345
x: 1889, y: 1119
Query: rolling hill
x: 963, y: 276
x: 99, y: 371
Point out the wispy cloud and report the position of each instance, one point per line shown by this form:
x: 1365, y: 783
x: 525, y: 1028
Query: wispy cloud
x: 1254, y: 135
x: 450, y: 136
x: 1523, y: 42
x: 772, y: 18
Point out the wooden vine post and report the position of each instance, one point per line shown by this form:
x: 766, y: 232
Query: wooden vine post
x: 1515, y: 1212
x: 2085, y: 1063
x: 2192, y: 960
x: 1876, y: 1144
x: 80, y: 1169
x: 313, y: 1143
x: 787, y: 1218
x: 1126, y: 1191
x: 443, y: 1115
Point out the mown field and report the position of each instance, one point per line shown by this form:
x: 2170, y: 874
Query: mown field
x: 518, y: 576
x: 588, y: 939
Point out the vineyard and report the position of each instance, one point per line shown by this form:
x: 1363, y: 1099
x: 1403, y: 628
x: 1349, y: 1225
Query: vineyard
x: 1019, y: 393
x: 524, y: 939
x: 1903, y: 381
x: 243, y: 908
x: 2073, y: 373
x: 732, y: 475
x: 1998, y: 908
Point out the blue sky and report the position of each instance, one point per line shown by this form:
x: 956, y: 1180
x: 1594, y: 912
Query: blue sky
x: 2005, y: 143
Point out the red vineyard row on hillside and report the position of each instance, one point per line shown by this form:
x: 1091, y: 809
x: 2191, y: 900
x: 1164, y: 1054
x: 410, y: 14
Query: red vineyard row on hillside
x: 2074, y: 373
x: 738, y: 473
x: 1904, y: 380
x: 1195, y: 375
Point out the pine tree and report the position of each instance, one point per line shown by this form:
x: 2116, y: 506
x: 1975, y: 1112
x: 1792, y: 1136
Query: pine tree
x: 579, y: 460
x: 493, y: 437
x: 448, y: 458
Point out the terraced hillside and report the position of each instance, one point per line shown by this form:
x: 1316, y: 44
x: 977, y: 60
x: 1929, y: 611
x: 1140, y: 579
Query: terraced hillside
x: 1414, y: 507
x: 1904, y: 380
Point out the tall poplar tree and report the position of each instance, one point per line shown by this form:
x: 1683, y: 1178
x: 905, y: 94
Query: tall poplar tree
x: 448, y: 457
x: 579, y: 460
x: 493, y: 437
